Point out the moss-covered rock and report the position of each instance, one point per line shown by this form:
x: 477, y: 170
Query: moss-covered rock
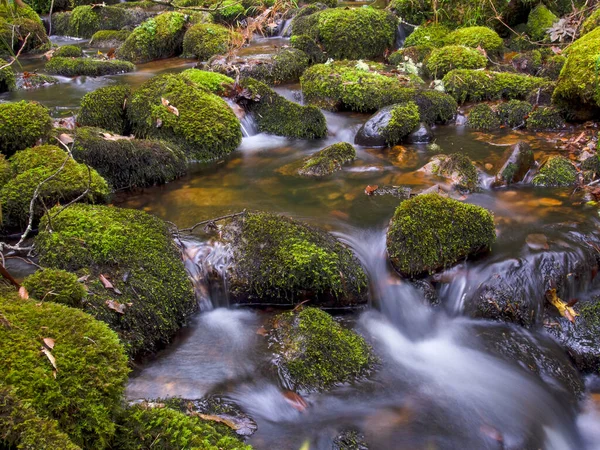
x: 277, y: 115
x: 389, y: 125
x: 545, y: 118
x: 329, y: 160
x: 109, y: 38
x: 315, y: 53
x: 69, y: 51
x: 430, y: 232
x: 519, y: 161
x: 557, y: 171
x: 106, y: 108
x: 529, y: 62
x: 80, y: 396
x: 482, y: 117
x: 55, y: 285
x: 456, y: 167
x: 86, y: 20
x: 74, y: 67
x: 539, y: 20
x: 204, y: 126
x: 432, y: 35
x: 443, y: 60
x: 128, y: 163
x: 204, y: 40
x: 513, y: 113
x: 278, y: 260
x: 156, y: 38
x: 30, y: 80
x: 21, y: 29
x: 5, y: 170
x: 152, y: 295
x: 417, y: 54
x: 8, y: 81
x: 214, y: 82
x: 474, y: 37
x: 30, y: 167
x: 286, y: 66
x: 435, y: 106
x: 22, y: 125
x: 591, y: 23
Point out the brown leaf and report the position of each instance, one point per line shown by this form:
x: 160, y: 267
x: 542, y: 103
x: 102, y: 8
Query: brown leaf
x: 111, y: 53
x: 370, y: 190
x: 116, y: 306
x: 295, y: 400
x: 49, y: 342
x: 83, y: 279
x: 23, y: 293
x: 174, y: 110
x: 213, y: 418
x: 46, y: 352
x: 563, y: 308
x: 262, y: 331
x: 66, y: 139
x: 107, y: 284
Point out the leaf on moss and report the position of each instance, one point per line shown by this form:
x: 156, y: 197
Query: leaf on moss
x: 105, y: 282
x: 50, y: 357
x: 23, y: 293
x: 116, y: 306
x: 563, y: 308
x: 49, y: 342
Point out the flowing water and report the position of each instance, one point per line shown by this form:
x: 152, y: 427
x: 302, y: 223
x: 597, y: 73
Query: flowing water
x: 441, y: 382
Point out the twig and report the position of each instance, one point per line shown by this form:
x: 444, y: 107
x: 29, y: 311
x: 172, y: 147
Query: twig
x: 75, y: 200
x: 191, y: 229
x: 18, y: 53
x: 5, y: 274
x: 50, y: 18
x: 25, y: 260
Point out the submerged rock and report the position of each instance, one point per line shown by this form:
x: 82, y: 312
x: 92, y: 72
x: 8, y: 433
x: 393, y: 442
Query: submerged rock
x: 457, y: 168
x: 328, y: 160
x: 389, y: 125
x: 29, y: 80
x: 519, y: 160
x: 421, y: 135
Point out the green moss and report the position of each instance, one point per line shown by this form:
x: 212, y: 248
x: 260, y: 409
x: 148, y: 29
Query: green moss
x: 590, y: 312
x: 435, y: 106
x: 209, y: 81
x: 8, y: 81
x: 87, y: 20
x: 329, y: 160
x: 404, y: 119
x: 74, y: 67
x: 591, y: 23
x: 82, y: 395
x: 457, y: 167
x: 442, y: 60
x: 476, y: 85
x: 432, y: 35
x: 22, y: 124
x: 106, y: 108
x: 310, y: 47
x: 135, y: 251
x: 539, y: 20
x: 21, y: 29
x: 156, y: 38
x: 482, y: 117
x: 305, y: 20
x: 5, y: 170
x: 286, y: 66
x: 109, y: 38
x: 474, y: 37
x: 206, y: 128
x: 30, y: 168
x: 128, y: 163
x: 204, y: 40
x: 60, y: 23
x: 416, y: 54
x: 557, y: 171
x: 545, y: 118
x: 552, y: 67
x: 58, y: 286
x: 430, y: 232
x: 69, y: 51
x: 513, y: 113
x: 451, y: 12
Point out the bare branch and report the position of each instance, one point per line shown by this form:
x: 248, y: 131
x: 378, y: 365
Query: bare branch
x: 18, y: 53
x: 204, y: 222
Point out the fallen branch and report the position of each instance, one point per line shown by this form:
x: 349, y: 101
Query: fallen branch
x: 204, y: 222
x: 6, y: 275
x: 18, y: 53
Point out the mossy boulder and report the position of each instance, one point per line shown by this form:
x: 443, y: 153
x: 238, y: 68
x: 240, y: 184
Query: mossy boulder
x: 432, y: 35
x: 314, y: 352
x: 151, y: 296
x: 69, y: 51
x: 389, y: 125
x: 443, y: 60
x: 417, y: 55
x: 278, y: 260
x: 213, y: 82
x: 474, y: 37
x: 435, y: 106
x: 22, y: 125
x: 74, y: 67
x: 545, y: 118
x: 78, y: 397
x: 204, y: 126
x: 109, y: 38
x: 285, y: 66
x: 519, y: 160
x: 557, y: 171
x: 128, y: 163
x: 430, y: 232
x: 309, y: 46
x: 204, y: 40
x: 276, y: 115
x: 21, y: 29
x: 482, y: 117
x: 33, y: 165
x: 456, y: 167
x: 539, y: 20
x: 55, y: 285
x: 591, y: 23
x: 106, y: 108
x: 329, y: 160
x: 513, y: 113
x: 8, y: 81
x: 86, y: 20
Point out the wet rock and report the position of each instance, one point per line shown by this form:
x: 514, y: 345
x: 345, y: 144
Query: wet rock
x: 390, y: 125
x: 328, y: 160
x: 518, y: 163
x: 402, y: 192
x: 28, y: 81
x: 421, y: 135
x: 74, y: 67
x: 350, y: 440
x: 457, y: 168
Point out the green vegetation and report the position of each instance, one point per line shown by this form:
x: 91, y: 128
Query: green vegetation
x: 329, y: 160
x: 109, y: 38
x: 557, y: 171
x: 435, y: 106
x: 474, y: 37
x: 22, y: 125
x: 74, y: 67
x: 309, y: 47
x: 287, y: 65
x: 8, y: 81
x: 513, y: 113
x: 528, y: 62
x: 539, y: 20
x: 86, y: 20
x: 404, y: 119
x: 443, y: 60
x: 204, y: 40
x: 591, y: 23
x: 21, y: 29
x: 432, y: 35
x: 55, y: 285
x: 545, y: 118
x: 457, y: 167
x: 69, y: 51
x: 213, y: 82
x: 482, y: 117
x: 106, y: 108
x: 416, y: 54
x: 552, y: 67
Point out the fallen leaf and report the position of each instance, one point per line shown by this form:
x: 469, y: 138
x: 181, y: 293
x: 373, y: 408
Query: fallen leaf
x: 83, y: 279
x: 23, y: 293
x: 164, y: 101
x: 563, y: 308
x: 66, y: 138
x: 295, y: 400
x: 46, y: 352
x: 223, y: 420
x: 174, y: 110
x: 116, y: 291
x: 370, y: 190
x: 49, y: 342
x: 107, y: 284
x: 261, y: 331
x: 116, y: 306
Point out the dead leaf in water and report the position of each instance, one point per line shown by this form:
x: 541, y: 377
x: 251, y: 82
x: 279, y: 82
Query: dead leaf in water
x: 230, y: 423
x: 563, y: 308
x: 294, y: 399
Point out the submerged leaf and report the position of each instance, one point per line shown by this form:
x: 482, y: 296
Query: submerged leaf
x: 563, y: 308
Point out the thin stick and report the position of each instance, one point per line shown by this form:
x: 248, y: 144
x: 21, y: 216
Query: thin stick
x: 191, y: 229
x: 18, y: 53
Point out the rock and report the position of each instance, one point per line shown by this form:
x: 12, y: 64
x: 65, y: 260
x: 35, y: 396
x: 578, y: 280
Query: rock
x: 29, y: 80
x: 106, y: 108
x: 482, y: 117
x: 476, y: 37
x: 422, y: 135
x: 58, y: 286
x: 7, y: 78
x: 350, y: 440
x: 442, y: 60
x: 457, y: 168
x: 309, y: 47
x: 204, y: 40
x: 513, y: 113
x: 74, y: 67
x: 109, y: 38
x: 223, y: 408
x: 213, y: 82
x: 389, y: 125
x: 539, y: 20
x: 519, y: 160
x: 557, y: 171
x: 435, y: 106
x: 69, y: 51
x: 22, y: 125
x: 21, y: 30
x: 528, y: 62
x: 329, y: 160
x: 545, y: 118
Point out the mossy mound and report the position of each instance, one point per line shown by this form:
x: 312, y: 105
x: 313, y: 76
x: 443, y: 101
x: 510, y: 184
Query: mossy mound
x: 33, y: 165
x: 476, y: 85
x: 474, y: 37
x: 404, y: 119
x: 432, y: 35
x: 308, y: 45
x: 151, y: 295
x: 55, y: 285
x: 213, y: 82
x: 591, y: 23
x: 74, y: 67
x: 430, y: 233
x: 286, y: 66
x: 8, y: 80
x: 204, y: 126
x: 86, y: 20
x: 109, y: 38
x: 557, y: 171
x: 21, y: 29
x: 5, y: 170
x: 315, y: 352
x: 513, y: 113
x: 545, y: 118
x: 329, y: 160
x: 539, y: 20
x: 81, y: 396
x: 106, y: 108
x: 276, y: 115
x: 128, y: 163
x: 156, y: 38
x: 278, y: 260
x: 482, y: 117
x: 69, y: 51
x: 435, y: 106
x: 22, y: 125
x: 443, y: 60
x: 204, y: 40
x: 458, y: 168
x: 35, y: 80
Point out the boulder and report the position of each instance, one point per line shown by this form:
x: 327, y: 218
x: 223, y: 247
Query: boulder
x: 22, y: 125
x: 106, y: 108
x: 519, y: 160
x: 443, y: 60
x: 389, y: 125
x: 329, y: 160
x: 557, y: 171
x: 74, y: 67
x: 457, y: 168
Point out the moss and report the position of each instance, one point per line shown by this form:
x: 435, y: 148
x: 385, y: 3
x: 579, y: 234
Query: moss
x: 276, y: 115
x: 309, y: 47
x: 31, y: 167
x: 204, y: 40
x: 109, y: 38
x: 430, y: 232
x: 128, y: 163
x: 545, y: 118
x: 22, y: 124
x: 168, y: 429
x: 69, y: 51
x: 286, y: 66
x: 416, y: 54
x: 457, y: 167
x: 552, y: 67
x: 340, y: 85
x: 58, y: 286
x: 442, y: 60
x: 87, y: 20
x: 106, y: 108
x: 482, y: 117
x: 5, y: 170
x: 84, y: 392
x: 60, y: 23
x: 474, y: 37
x: 529, y: 62
x: 591, y: 23
x: 435, y: 106
x: 134, y: 250
x: 206, y: 128
x: 476, y: 85
x: 404, y: 119
x: 513, y: 113
x: 21, y: 29
x: 8, y: 81
x: 280, y: 260
x: 557, y: 171
x: 329, y: 160
x: 74, y: 67
x: 432, y: 35
x: 305, y: 20
x: 156, y: 38
x: 209, y: 81
x: 539, y: 20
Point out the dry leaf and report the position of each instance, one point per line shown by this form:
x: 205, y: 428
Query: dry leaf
x: 107, y: 284
x: 83, y: 279
x: 164, y: 101
x: 116, y: 306
x: 23, y: 293
x: 563, y: 308
x: 261, y: 331
x: 295, y: 400
x: 229, y: 423
x: 46, y: 352
x: 49, y: 342
x: 66, y: 138
x: 174, y: 110
x: 369, y: 190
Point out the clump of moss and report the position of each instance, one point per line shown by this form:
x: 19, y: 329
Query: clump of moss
x: 21, y: 30
x: 74, y: 67
x: 591, y: 23
x: 277, y: 115
x: 316, y: 353
x: 209, y: 81
x: 474, y: 37
x: 328, y: 160
x: 22, y: 125
x: 204, y: 40
x: 287, y: 65
x: 86, y: 20
x: 106, y: 108
x: 444, y: 59
x: 310, y: 47
x: 152, y: 295
x: 280, y: 260
x: 128, y: 163
x: 430, y: 232
x: 528, y: 62
x: 539, y: 20
x: 5, y: 170
x: 156, y: 38
x: 69, y: 51
x: 432, y: 35
x: 8, y: 81
x: 513, y: 113
x: 482, y: 117
x: 205, y: 128
x: 545, y: 118
x: 476, y: 85
x: 109, y: 38
x: 31, y: 167
x: 558, y: 171
x: 458, y: 168
x: 81, y: 396
x: 55, y: 285
x: 404, y: 119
